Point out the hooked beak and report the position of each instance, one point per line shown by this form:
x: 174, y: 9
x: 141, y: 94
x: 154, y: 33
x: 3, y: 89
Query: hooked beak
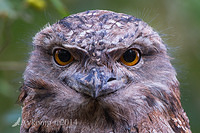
x: 97, y: 83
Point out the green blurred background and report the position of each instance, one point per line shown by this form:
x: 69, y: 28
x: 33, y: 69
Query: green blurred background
x: 177, y: 20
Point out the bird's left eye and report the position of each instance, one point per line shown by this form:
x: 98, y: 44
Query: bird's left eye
x: 62, y: 57
x: 131, y: 57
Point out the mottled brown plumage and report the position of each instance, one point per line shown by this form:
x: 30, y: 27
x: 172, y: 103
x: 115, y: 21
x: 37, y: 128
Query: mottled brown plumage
x: 97, y: 92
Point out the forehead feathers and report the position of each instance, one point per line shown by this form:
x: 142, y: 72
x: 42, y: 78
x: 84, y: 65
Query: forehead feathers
x: 99, y: 30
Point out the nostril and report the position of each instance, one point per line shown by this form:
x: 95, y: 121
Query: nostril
x: 111, y: 79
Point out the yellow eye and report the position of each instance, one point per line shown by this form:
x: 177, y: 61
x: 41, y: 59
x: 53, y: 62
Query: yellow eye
x: 62, y: 57
x: 130, y: 57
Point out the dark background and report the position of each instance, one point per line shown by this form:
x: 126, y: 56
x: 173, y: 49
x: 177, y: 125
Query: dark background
x: 177, y: 20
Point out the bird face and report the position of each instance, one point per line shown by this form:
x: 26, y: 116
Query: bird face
x: 95, y: 56
x: 108, y: 70
x: 98, y: 55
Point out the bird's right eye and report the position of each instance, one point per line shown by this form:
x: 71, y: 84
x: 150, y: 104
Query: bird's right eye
x: 62, y: 57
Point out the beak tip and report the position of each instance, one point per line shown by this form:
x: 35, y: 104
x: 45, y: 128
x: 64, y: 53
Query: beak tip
x: 95, y: 94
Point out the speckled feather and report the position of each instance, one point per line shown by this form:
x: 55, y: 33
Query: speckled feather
x: 143, y: 98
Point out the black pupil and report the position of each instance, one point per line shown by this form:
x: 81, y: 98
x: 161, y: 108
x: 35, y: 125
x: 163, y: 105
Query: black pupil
x: 129, y: 56
x: 64, y: 55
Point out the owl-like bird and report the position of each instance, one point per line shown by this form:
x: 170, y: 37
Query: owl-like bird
x: 100, y: 72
